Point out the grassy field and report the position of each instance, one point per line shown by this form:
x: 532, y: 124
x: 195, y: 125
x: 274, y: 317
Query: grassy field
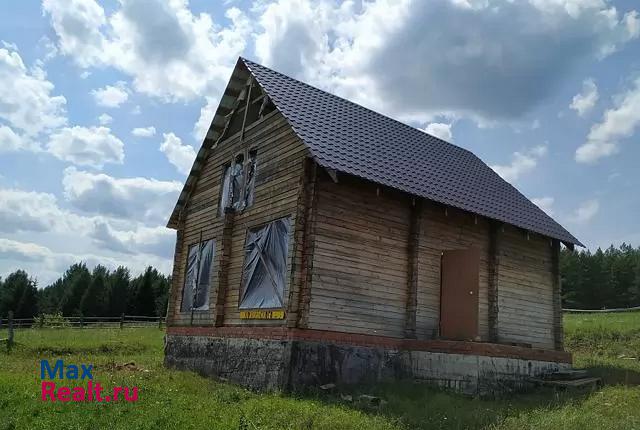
x: 608, y: 345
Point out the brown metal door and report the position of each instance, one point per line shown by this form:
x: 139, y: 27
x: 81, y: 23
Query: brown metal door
x: 460, y: 276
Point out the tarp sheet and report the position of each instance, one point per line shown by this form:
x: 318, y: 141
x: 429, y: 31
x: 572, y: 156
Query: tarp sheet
x: 197, y: 283
x: 265, y: 266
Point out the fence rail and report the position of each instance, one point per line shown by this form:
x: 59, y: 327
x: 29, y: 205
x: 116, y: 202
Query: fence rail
x: 589, y: 311
x: 122, y: 321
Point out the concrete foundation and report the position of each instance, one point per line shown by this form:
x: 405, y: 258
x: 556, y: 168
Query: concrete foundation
x: 295, y: 364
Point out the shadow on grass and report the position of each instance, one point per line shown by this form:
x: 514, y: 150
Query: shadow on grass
x: 418, y: 405
x: 612, y: 375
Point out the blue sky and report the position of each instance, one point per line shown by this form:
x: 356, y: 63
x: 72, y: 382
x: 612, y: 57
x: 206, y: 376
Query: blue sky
x: 104, y: 104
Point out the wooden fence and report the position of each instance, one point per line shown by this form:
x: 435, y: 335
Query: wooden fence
x: 603, y: 311
x: 122, y: 321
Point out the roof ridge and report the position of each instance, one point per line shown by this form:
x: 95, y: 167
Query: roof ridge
x: 246, y: 60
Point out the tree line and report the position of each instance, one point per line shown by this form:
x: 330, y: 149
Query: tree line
x: 601, y: 279
x: 84, y: 292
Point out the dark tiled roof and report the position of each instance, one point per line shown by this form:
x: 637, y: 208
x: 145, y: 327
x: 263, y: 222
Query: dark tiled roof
x: 349, y: 138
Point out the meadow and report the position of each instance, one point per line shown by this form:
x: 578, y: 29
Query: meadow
x: 608, y: 345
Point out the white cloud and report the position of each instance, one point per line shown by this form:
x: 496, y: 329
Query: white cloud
x: 78, y: 25
x: 207, y: 112
x: 181, y: 156
x: 48, y: 264
x: 142, y: 199
x: 440, y: 130
x: 26, y: 102
x: 10, y: 141
x: 521, y: 163
x: 94, y: 146
x: 350, y: 46
x: 111, y: 96
x: 617, y: 123
x: 585, y: 212
x: 585, y: 100
x: 151, y: 240
x: 37, y: 215
x: 168, y: 51
x: 144, y: 131
x: 545, y: 203
x: 31, y: 211
x: 105, y: 119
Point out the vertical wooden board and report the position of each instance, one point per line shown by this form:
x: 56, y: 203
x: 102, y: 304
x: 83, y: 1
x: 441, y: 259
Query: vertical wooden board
x: 459, y: 294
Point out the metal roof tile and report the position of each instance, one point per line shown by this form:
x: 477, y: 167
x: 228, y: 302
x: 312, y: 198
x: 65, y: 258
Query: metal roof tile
x: 352, y: 139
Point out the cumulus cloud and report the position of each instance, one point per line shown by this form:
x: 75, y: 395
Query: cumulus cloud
x: 15, y: 250
x: 137, y: 198
x: 10, y: 141
x: 412, y: 73
x: 151, y: 240
x: 93, y: 146
x: 204, y: 120
x: 48, y: 264
x: 181, y: 156
x: 168, y: 51
x: 111, y: 96
x: 30, y: 211
x: 144, y: 131
x: 617, y: 123
x: 440, y: 130
x: 585, y: 212
x: 521, y: 163
x: 105, y: 119
x: 545, y: 203
x: 26, y: 100
x: 585, y: 100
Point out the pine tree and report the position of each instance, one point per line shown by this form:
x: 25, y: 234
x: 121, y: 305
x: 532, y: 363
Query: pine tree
x: 119, y: 292
x: 94, y: 300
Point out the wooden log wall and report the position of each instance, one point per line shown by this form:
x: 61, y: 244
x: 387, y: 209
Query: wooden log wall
x: 359, y: 281
x: 367, y: 264
x: 447, y: 229
x: 280, y: 162
x: 525, y: 290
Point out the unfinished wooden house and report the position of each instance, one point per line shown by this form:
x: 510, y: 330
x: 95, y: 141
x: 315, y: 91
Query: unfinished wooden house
x: 319, y: 241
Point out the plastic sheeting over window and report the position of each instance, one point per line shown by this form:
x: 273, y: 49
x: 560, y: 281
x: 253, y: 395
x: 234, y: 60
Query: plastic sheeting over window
x: 197, y: 283
x: 238, y: 183
x: 225, y: 190
x: 265, y: 266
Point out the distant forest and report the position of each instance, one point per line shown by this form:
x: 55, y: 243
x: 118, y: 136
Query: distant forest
x: 84, y: 292
x: 602, y: 279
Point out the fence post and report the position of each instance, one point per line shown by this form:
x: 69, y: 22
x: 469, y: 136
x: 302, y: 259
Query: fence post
x: 121, y: 321
x: 81, y: 321
x: 10, y: 339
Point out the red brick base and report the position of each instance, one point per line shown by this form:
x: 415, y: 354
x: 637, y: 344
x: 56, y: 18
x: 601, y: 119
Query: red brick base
x: 443, y: 346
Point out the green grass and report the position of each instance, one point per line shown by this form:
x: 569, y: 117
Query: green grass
x: 605, y: 344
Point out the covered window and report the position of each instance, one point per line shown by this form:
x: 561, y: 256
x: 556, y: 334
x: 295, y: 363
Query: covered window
x: 197, y: 280
x: 238, y: 182
x: 225, y: 190
x: 265, y: 266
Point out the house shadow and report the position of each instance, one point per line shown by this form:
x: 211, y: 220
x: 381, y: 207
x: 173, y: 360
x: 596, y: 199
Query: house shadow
x: 418, y: 405
x: 612, y: 375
